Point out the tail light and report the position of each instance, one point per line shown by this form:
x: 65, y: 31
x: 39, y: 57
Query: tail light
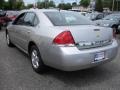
x: 64, y: 38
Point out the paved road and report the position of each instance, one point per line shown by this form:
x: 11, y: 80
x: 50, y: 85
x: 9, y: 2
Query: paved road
x: 16, y: 74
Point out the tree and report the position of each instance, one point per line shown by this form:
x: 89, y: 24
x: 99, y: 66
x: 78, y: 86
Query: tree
x: 109, y: 4
x: 64, y: 6
x: 6, y: 5
x: 16, y: 4
x: 61, y: 6
x: 51, y: 4
x: 2, y: 4
x: 41, y: 5
x: 99, y: 6
x: 19, y: 5
x: 30, y: 6
x: 12, y: 4
x: 85, y: 3
x: 46, y: 4
x: 74, y: 4
x: 68, y: 6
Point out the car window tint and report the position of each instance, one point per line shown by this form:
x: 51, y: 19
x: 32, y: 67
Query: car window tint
x: 28, y: 20
x: 67, y: 18
x: 20, y: 19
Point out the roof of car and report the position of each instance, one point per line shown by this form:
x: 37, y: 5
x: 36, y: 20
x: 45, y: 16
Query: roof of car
x: 39, y: 10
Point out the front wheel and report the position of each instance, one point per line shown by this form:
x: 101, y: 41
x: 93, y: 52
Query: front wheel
x: 36, y: 60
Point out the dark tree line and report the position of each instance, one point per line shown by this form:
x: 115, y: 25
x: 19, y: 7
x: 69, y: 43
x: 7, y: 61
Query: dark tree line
x: 51, y: 4
x: 19, y: 4
x: 11, y: 4
x: 100, y: 4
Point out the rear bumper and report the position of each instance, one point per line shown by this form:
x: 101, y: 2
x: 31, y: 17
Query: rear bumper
x: 72, y: 59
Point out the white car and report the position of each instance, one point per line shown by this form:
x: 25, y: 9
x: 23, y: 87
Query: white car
x: 61, y: 39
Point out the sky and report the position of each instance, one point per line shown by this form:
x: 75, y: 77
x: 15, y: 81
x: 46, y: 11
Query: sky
x: 56, y: 1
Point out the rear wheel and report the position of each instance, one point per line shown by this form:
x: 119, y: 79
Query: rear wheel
x: 9, y: 43
x: 36, y: 60
x: 115, y: 28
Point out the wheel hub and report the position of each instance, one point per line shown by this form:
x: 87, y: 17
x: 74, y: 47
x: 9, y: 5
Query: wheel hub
x: 35, y: 59
x: 8, y: 40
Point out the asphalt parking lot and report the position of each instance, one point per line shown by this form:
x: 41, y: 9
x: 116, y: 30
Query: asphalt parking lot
x: 16, y: 74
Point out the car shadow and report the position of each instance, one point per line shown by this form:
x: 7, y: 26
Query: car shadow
x: 84, y: 77
x: 81, y: 78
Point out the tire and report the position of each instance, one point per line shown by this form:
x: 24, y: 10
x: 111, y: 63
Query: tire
x: 36, y: 60
x: 115, y: 28
x: 9, y: 43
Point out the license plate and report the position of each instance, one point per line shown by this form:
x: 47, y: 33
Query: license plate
x: 99, y: 56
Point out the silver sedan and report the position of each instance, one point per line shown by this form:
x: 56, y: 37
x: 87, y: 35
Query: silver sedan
x: 64, y: 40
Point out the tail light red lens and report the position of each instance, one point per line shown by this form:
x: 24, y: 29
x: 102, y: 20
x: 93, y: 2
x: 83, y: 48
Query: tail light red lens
x: 64, y: 38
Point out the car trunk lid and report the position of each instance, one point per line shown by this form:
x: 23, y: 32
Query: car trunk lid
x: 90, y: 36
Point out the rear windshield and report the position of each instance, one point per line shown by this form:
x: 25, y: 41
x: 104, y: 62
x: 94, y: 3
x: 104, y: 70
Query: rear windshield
x: 67, y: 18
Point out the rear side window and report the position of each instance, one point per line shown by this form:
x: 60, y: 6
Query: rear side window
x: 67, y: 18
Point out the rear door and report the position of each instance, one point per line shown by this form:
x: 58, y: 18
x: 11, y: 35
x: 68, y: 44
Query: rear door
x: 16, y: 26
x: 26, y: 30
